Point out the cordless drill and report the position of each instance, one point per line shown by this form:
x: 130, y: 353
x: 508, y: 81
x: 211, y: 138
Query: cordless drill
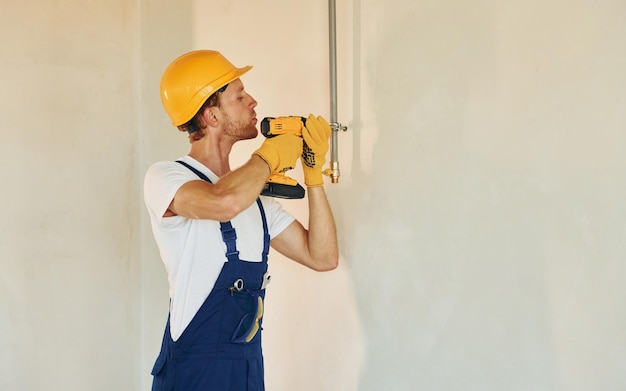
x: 278, y: 184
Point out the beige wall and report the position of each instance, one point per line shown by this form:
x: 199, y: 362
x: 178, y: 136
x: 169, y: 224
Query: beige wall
x: 480, y: 206
x: 484, y: 218
x: 68, y: 235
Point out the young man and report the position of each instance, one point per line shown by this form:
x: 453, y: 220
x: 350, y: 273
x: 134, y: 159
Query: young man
x: 214, y: 231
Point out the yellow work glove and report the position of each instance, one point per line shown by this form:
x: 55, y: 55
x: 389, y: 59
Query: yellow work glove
x: 280, y: 152
x: 315, y: 134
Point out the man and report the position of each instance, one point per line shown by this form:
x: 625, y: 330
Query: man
x: 214, y: 231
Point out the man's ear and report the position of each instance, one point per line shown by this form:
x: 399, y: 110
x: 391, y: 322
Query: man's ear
x: 210, y: 116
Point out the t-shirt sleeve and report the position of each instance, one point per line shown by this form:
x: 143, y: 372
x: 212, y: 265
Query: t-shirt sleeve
x: 162, y: 181
x: 278, y: 218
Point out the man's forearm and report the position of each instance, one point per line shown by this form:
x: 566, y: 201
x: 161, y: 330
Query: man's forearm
x: 233, y: 193
x: 322, y: 237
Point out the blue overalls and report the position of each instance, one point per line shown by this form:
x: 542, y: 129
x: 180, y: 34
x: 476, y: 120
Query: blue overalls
x: 220, y: 349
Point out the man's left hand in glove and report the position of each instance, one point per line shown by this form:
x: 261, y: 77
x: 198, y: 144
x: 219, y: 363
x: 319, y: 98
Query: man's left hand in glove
x: 315, y: 133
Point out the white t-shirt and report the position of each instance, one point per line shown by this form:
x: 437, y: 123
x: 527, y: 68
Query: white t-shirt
x: 193, y: 250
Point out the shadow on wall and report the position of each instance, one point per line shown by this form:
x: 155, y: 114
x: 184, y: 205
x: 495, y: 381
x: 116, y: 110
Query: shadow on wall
x: 167, y: 31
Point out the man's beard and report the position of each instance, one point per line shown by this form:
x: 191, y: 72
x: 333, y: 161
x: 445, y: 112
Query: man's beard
x: 239, y: 130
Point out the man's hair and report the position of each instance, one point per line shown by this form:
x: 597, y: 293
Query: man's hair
x: 195, y: 126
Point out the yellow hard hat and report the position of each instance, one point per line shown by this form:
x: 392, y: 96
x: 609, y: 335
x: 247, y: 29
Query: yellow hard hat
x: 191, y: 79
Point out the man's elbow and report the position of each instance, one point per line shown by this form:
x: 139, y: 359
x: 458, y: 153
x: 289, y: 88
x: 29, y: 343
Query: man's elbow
x: 228, y: 209
x: 328, y: 264
x: 230, y: 206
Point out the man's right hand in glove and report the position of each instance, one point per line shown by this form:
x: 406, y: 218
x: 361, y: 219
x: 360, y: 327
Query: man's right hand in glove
x: 281, y: 152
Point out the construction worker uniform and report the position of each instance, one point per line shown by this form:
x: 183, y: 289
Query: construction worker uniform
x: 220, y: 349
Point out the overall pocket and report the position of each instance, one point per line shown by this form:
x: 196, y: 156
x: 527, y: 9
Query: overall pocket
x: 242, y: 316
x: 160, y: 373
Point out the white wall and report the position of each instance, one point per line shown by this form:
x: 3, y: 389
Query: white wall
x: 483, y: 217
x: 68, y: 119
x: 480, y: 205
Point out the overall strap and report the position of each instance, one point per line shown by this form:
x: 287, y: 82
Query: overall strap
x: 228, y: 232
x: 266, y: 232
x: 198, y: 173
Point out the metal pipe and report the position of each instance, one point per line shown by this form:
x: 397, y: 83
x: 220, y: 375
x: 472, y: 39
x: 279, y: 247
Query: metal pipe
x: 334, y: 123
x: 332, y: 46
